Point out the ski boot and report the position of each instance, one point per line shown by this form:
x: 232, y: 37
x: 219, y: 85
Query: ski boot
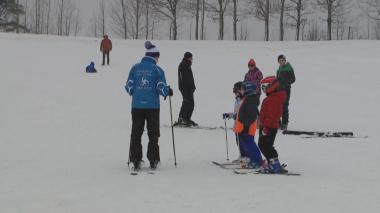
x: 275, y: 166
x: 136, y: 166
x: 192, y: 123
x: 154, y: 164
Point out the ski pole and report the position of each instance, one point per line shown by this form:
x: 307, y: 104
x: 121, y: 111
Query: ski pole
x: 171, y: 121
x: 225, y: 128
x: 129, y: 155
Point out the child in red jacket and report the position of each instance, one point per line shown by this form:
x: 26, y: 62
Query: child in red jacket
x: 270, y: 114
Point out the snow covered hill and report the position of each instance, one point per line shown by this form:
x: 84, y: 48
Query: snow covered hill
x: 64, y: 134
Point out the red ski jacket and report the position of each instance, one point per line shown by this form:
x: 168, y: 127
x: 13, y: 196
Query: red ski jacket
x: 271, y: 110
x: 106, y: 45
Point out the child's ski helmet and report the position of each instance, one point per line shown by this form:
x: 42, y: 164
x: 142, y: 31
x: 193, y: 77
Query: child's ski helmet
x: 270, y: 84
x: 249, y: 88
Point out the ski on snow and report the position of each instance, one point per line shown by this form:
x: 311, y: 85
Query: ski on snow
x: 195, y: 127
x: 318, y: 134
x: 256, y: 171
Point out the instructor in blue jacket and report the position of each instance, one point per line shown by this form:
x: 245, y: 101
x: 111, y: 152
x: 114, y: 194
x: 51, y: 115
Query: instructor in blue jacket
x: 146, y: 82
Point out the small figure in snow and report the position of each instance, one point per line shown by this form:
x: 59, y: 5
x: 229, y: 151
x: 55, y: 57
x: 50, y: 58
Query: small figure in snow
x: 245, y: 126
x: 270, y: 114
x: 286, y: 77
x: 105, y: 48
x: 232, y: 115
x: 146, y: 82
x: 91, y: 68
x: 187, y: 87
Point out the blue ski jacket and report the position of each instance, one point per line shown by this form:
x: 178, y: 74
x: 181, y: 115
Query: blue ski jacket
x: 146, y: 81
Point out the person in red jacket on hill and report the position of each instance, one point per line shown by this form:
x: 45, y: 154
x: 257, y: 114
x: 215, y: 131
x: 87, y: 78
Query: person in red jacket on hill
x: 105, y: 48
x: 270, y: 114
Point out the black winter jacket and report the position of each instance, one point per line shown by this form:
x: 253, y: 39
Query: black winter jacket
x: 185, y: 76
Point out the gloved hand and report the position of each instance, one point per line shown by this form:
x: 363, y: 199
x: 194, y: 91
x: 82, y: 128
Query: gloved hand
x: 226, y: 115
x: 265, y: 131
x: 170, y: 92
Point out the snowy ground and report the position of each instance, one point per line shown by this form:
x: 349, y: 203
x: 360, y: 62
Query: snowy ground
x: 64, y: 134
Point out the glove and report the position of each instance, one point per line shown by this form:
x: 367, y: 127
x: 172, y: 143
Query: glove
x: 170, y: 92
x: 265, y: 131
x: 226, y: 115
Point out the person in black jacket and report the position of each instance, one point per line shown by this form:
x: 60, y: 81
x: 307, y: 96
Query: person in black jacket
x: 187, y: 87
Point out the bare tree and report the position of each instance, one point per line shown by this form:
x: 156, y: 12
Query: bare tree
x: 238, y: 12
x: 314, y: 33
x: 193, y: 8
x: 203, y: 20
x: 297, y: 15
x: 135, y: 8
x: 333, y: 8
x: 262, y: 11
x: 77, y: 23
x: 119, y: 18
x: 282, y: 10
x: 102, y: 16
x: 169, y: 9
x: 66, y: 12
x: 48, y: 16
x: 243, y: 32
x: 372, y: 7
x: 218, y: 9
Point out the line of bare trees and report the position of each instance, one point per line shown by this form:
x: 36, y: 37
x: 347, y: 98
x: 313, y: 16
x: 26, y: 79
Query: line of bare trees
x: 136, y: 19
x: 60, y: 17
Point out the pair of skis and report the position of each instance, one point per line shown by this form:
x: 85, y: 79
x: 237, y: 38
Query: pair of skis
x: 242, y: 171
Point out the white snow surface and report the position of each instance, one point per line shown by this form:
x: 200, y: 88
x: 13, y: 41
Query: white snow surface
x: 64, y: 134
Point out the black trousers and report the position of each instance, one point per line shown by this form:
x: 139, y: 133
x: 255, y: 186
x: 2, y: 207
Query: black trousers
x: 285, y: 108
x: 187, y: 107
x: 104, y: 57
x: 139, y: 116
x: 266, y: 143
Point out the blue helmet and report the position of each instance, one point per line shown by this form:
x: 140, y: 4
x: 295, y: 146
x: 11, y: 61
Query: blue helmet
x: 250, y: 88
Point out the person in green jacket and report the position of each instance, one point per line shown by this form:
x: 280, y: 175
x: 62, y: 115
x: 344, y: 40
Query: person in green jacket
x: 286, y: 77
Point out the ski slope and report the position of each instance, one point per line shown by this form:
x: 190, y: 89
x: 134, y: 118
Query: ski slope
x: 64, y: 134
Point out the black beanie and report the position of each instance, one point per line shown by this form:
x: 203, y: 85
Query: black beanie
x: 188, y: 55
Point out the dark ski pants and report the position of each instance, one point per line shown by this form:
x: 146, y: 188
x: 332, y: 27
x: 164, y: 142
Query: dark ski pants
x: 241, y: 149
x: 266, y: 143
x: 104, y: 58
x: 247, y: 143
x: 285, y: 108
x: 187, y: 107
x: 139, y: 116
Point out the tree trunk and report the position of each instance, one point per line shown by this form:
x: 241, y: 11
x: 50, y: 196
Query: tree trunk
x: 329, y: 20
x: 235, y: 19
x: 298, y: 24
x: 48, y: 17
x: 282, y: 20
x: 197, y: 20
x: 203, y: 20
x: 137, y: 18
x: 147, y: 20
x: 267, y: 21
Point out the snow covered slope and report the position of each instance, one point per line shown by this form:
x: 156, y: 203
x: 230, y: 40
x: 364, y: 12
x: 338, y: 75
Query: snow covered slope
x: 64, y: 134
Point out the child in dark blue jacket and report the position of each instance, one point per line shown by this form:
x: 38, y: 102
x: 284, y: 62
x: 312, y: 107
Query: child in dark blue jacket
x: 91, y: 68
